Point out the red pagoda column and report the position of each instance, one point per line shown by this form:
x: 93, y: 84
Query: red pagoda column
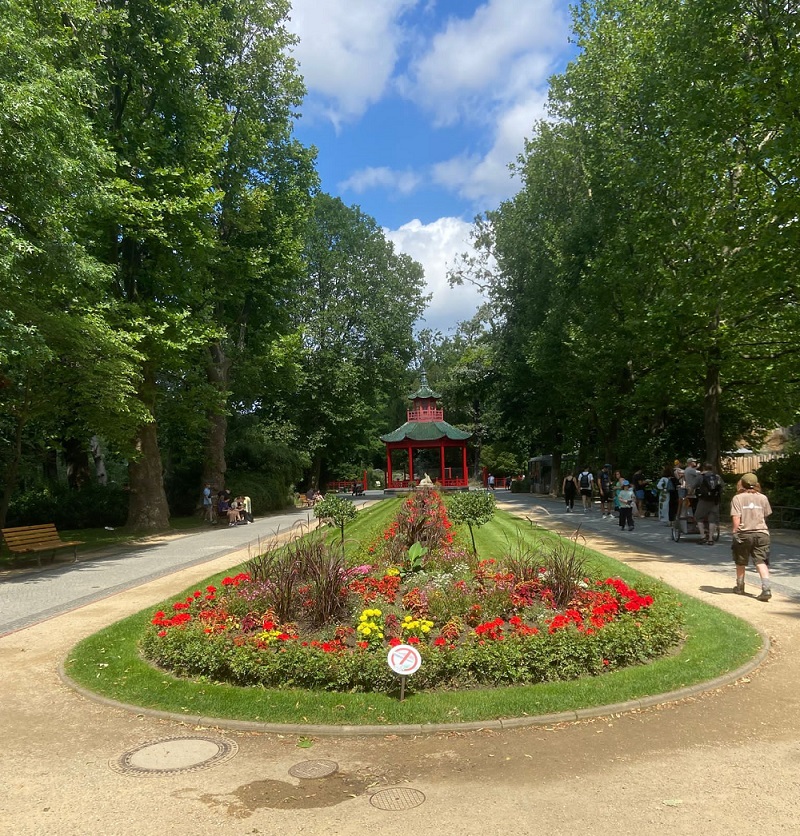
x: 464, y: 464
x: 441, y: 464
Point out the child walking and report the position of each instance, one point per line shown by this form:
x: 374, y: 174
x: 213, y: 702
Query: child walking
x: 626, y: 500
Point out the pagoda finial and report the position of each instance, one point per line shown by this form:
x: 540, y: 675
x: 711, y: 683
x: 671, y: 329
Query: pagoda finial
x: 424, y: 390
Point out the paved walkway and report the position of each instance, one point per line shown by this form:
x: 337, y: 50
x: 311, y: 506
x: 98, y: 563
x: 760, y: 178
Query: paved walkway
x: 726, y: 762
x: 33, y: 595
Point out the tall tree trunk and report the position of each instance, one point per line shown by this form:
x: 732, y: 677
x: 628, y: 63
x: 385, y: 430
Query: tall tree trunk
x: 50, y: 465
x: 712, y: 425
x: 100, y: 472
x: 555, y: 474
x: 76, y: 457
x: 147, y: 508
x: 12, y: 471
x: 316, y: 471
x: 218, y: 368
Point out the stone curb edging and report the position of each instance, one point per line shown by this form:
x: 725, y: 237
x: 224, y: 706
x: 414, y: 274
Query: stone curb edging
x: 431, y: 728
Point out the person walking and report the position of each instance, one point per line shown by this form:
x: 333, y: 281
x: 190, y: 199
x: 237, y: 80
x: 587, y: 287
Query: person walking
x: 569, y: 487
x: 606, y: 490
x: 208, y: 505
x: 691, y: 480
x: 749, y: 512
x: 626, y: 499
x: 585, y: 480
x: 663, y: 486
x: 639, y: 483
x: 709, y: 493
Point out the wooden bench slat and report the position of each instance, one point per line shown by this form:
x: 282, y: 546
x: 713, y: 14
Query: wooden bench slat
x: 27, y: 539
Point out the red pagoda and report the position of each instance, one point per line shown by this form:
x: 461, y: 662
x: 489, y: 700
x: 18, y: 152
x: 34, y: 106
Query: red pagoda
x: 425, y: 430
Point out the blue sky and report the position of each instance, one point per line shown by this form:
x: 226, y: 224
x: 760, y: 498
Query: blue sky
x: 418, y: 106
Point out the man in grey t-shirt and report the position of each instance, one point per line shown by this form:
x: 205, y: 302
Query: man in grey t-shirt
x: 692, y: 478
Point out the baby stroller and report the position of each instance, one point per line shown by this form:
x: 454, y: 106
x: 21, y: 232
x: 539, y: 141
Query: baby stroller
x: 684, y: 524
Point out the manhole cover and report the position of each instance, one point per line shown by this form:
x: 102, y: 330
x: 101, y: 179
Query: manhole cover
x: 398, y: 798
x: 313, y: 769
x: 175, y: 754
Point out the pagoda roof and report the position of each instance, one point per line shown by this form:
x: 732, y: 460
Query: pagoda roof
x: 424, y: 390
x: 426, y: 431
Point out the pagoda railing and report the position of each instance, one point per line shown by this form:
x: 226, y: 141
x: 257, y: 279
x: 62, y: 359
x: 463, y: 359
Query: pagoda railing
x: 425, y: 415
x: 452, y: 482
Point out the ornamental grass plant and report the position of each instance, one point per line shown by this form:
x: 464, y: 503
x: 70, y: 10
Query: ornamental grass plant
x: 714, y: 642
x: 300, y: 616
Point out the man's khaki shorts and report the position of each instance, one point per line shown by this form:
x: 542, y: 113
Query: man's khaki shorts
x: 750, y: 544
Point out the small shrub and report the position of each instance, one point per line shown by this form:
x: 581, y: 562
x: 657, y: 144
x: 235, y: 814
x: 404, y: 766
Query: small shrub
x: 474, y: 508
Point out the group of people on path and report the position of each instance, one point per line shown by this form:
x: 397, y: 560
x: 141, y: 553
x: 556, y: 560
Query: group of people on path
x: 237, y: 511
x: 618, y: 496
x: 694, y: 492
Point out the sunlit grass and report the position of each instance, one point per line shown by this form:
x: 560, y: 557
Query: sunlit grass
x: 109, y: 663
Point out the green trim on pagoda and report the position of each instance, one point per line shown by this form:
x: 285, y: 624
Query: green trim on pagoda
x: 424, y: 390
x: 425, y: 431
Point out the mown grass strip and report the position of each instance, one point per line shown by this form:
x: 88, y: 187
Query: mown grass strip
x: 717, y: 642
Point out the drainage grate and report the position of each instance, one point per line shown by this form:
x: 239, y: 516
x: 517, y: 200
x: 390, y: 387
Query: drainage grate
x: 174, y: 755
x: 397, y: 798
x: 313, y: 769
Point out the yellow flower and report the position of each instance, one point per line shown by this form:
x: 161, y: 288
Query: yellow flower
x: 366, y: 631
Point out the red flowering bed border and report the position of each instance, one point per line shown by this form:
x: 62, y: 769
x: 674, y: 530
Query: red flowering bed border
x: 502, y: 629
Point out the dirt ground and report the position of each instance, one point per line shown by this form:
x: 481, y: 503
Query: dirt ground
x: 723, y: 762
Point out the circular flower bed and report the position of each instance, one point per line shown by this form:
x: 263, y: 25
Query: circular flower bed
x: 299, y: 616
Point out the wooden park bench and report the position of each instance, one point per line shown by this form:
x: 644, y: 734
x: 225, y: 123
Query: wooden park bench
x: 35, y: 539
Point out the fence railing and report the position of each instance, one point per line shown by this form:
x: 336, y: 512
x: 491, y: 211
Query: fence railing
x: 785, y: 516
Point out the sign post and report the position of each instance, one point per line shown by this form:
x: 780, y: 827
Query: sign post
x: 404, y: 659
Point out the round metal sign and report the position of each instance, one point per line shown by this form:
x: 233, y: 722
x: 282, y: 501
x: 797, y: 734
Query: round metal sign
x: 404, y: 659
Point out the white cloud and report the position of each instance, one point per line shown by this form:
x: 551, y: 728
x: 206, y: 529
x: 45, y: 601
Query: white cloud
x: 347, y: 51
x: 475, y: 65
x: 435, y: 246
x: 404, y: 182
x: 486, y: 180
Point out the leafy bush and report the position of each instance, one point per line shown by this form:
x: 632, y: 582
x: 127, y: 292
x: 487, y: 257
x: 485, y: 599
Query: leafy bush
x: 780, y: 480
x: 94, y: 506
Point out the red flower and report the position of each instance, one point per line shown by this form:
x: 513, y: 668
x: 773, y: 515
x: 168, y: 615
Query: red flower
x: 162, y: 633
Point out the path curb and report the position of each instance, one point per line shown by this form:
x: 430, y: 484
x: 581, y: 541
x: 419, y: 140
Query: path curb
x: 305, y: 729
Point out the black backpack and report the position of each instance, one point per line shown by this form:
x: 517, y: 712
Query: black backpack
x: 710, y: 487
x: 585, y: 480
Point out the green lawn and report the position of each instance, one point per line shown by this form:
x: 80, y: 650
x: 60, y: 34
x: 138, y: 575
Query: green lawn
x: 109, y: 663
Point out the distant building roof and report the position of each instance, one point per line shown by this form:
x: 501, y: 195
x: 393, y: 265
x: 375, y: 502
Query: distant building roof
x: 425, y: 431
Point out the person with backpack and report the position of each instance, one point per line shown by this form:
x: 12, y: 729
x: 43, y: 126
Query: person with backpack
x: 708, y: 491
x: 585, y: 480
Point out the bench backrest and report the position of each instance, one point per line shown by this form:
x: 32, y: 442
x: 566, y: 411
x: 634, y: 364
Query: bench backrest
x: 22, y: 537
